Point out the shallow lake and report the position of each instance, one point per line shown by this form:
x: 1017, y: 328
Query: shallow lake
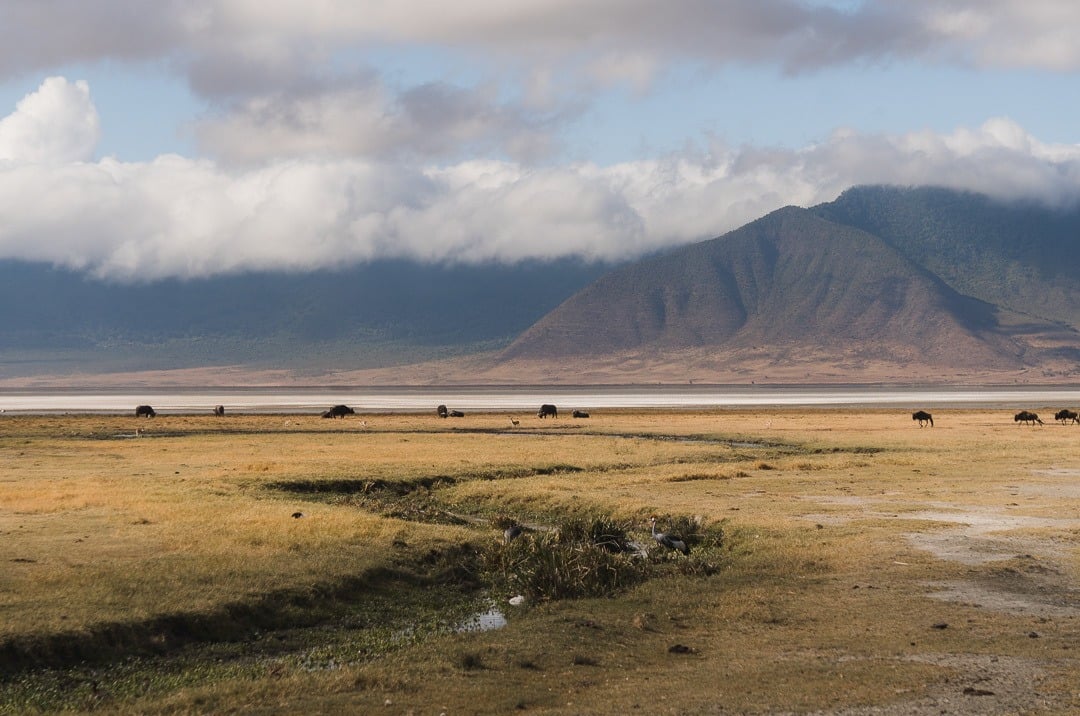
x: 422, y: 399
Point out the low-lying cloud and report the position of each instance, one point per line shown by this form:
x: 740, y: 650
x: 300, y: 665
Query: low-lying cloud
x: 182, y: 217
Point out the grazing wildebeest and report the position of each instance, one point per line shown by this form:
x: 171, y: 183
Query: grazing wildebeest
x: 144, y: 411
x: 441, y: 410
x: 456, y: 414
x: 1065, y: 415
x: 1026, y: 416
x: 339, y: 411
x: 579, y: 414
x: 547, y: 409
x: 923, y: 417
x: 219, y: 410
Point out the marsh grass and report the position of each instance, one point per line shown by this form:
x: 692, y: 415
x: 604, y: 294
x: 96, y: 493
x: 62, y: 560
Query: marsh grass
x: 596, y: 556
x: 392, y: 614
x: 580, y: 557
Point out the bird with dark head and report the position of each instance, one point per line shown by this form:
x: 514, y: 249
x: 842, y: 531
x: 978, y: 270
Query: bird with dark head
x: 671, y: 541
x: 512, y: 532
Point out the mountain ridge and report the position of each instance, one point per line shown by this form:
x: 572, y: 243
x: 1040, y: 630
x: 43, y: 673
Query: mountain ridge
x: 884, y: 284
x: 790, y: 276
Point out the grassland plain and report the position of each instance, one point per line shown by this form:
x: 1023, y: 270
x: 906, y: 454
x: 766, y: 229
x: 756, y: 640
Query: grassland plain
x: 867, y: 566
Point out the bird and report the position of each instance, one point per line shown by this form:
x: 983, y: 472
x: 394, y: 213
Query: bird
x: 513, y: 422
x: 668, y: 540
x: 297, y: 515
x: 514, y: 530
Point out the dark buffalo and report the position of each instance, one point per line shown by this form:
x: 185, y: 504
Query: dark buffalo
x: 219, y: 410
x: 579, y: 414
x: 1026, y: 416
x: 923, y: 417
x: 144, y: 411
x: 547, y: 409
x: 441, y: 410
x: 339, y: 411
x: 1065, y: 415
x: 456, y: 414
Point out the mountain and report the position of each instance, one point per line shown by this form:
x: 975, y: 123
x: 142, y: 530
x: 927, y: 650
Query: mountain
x: 883, y: 284
x: 1017, y: 255
x: 383, y: 313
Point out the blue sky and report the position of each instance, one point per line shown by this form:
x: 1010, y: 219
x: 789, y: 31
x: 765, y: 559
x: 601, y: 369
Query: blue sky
x: 211, y: 136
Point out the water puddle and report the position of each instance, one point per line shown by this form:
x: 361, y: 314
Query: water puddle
x: 488, y: 620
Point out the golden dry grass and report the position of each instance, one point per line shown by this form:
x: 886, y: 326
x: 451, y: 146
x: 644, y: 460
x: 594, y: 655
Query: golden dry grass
x: 850, y: 535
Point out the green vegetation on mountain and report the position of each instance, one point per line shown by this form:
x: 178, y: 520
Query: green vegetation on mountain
x: 1018, y: 255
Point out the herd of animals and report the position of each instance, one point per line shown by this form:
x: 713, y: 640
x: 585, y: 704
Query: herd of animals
x: 340, y: 411
x: 1024, y: 417
x: 547, y: 410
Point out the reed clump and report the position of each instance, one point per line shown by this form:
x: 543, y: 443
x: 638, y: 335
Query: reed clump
x: 580, y: 557
x: 596, y: 556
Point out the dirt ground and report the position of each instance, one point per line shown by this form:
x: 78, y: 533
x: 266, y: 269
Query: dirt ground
x: 1032, y: 577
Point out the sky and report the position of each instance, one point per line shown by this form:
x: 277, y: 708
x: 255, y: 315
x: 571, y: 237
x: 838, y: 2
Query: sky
x: 144, y: 139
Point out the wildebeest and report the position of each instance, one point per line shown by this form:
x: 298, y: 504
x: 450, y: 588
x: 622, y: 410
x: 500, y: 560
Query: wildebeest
x: 219, y: 410
x: 923, y: 417
x: 1026, y: 416
x: 1065, y: 415
x: 579, y: 414
x: 441, y: 410
x: 547, y: 409
x: 339, y: 411
x: 456, y: 414
x: 144, y: 411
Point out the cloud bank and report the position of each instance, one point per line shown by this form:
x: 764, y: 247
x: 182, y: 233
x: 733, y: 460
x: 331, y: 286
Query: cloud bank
x: 186, y: 217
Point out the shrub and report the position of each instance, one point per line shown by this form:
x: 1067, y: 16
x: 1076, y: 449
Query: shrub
x: 582, y: 557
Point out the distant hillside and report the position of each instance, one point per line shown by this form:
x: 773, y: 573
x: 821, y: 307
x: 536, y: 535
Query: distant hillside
x: 1017, y: 255
x: 884, y: 284
x: 790, y: 277
x: 799, y: 294
x: 384, y: 313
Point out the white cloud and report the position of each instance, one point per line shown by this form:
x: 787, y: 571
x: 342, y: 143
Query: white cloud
x: 57, y: 123
x: 182, y: 217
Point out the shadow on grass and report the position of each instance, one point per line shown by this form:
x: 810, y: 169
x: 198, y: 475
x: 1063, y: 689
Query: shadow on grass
x: 306, y: 606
